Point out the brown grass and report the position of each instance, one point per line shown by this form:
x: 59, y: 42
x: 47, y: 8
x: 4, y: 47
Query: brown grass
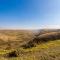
x: 40, y: 46
x: 42, y: 39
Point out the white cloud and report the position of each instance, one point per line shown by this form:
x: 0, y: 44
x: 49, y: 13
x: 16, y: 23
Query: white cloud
x: 50, y: 26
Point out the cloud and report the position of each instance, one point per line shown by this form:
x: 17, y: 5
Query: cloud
x: 50, y: 26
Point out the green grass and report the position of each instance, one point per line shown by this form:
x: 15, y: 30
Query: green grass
x: 46, y: 45
x: 45, y: 51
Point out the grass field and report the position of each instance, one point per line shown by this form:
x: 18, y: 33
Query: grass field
x: 12, y: 49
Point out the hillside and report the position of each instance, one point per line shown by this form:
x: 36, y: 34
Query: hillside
x: 30, y: 45
x: 42, y: 37
x: 14, y: 38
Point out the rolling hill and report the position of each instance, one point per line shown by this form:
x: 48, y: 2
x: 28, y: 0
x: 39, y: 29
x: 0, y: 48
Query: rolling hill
x: 41, y: 44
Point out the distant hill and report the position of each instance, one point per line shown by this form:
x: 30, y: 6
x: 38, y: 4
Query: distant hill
x: 14, y: 38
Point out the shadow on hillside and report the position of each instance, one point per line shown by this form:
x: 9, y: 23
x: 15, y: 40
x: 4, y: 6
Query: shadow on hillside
x: 11, y: 54
x: 42, y: 39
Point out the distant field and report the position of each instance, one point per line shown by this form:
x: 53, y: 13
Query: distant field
x: 30, y: 45
x: 14, y: 38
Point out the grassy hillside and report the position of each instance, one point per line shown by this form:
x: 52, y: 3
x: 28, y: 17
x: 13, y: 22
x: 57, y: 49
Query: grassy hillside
x: 42, y: 38
x: 30, y: 45
x: 14, y: 38
x: 45, y: 51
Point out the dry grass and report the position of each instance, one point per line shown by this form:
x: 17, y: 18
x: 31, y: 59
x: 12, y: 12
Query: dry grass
x: 10, y: 39
x: 46, y: 51
x: 43, y: 50
x: 42, y: 39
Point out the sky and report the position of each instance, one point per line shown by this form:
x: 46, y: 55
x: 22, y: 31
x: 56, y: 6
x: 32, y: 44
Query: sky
x: 29, y: 14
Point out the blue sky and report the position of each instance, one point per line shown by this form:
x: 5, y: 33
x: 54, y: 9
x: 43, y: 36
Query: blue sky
x: 29, y: 14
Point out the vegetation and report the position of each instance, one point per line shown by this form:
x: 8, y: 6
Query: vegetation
x: 28, y: 45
